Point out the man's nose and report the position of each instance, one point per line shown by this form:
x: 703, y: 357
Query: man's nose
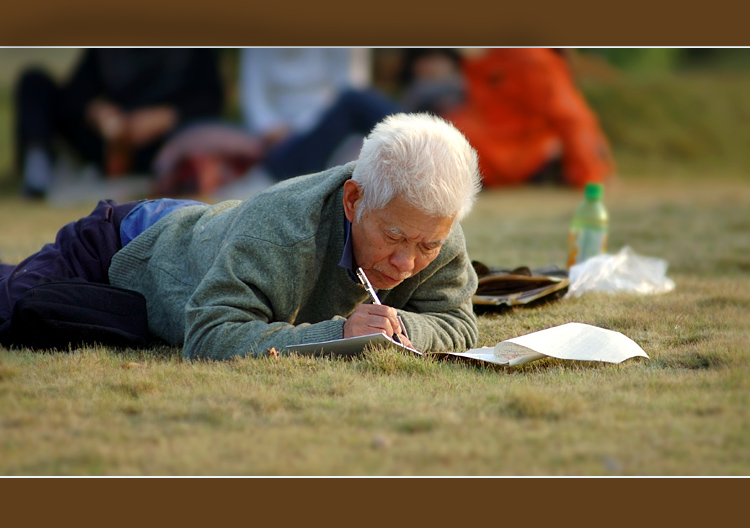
x: 403, y: 260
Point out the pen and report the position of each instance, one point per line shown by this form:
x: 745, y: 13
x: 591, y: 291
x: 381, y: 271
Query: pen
x: 375, y: 300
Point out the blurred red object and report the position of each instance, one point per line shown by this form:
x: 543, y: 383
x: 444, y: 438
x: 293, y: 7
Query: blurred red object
x: 203, y: 158
x: 523, y: 111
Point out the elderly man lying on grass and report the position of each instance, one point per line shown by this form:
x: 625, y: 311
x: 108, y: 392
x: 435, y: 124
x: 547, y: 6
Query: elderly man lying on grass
x: 242, y: 277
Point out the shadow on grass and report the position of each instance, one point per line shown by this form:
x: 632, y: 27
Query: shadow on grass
x: 692, y: 360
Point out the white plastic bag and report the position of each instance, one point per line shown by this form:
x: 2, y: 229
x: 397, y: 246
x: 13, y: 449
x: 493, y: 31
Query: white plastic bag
x: 624, y: 271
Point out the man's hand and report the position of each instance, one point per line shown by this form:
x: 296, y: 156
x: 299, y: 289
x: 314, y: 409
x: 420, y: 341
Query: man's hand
x: 107, y: 119
x: 133, y: 129
x: 276, y: 135
x: 371, y: 318
x: 148, y: 124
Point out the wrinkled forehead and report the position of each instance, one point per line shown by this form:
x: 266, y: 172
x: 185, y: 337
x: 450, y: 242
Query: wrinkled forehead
x: 404, y: 220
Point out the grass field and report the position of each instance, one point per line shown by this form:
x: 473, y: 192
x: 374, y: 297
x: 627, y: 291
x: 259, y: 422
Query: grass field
x: 685, y: 411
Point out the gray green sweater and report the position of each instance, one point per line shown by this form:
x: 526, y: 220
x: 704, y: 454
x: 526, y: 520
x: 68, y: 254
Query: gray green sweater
x: 240, y: 277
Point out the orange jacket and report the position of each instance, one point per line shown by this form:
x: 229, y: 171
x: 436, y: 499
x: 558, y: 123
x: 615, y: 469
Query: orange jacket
x: 522, y: 111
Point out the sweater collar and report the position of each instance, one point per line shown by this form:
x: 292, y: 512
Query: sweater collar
x: 347, y: 256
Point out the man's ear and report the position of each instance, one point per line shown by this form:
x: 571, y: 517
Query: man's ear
x: 352, y: 199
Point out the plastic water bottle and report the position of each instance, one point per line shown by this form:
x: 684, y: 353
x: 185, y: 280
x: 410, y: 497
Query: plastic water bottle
x: 589, y: 227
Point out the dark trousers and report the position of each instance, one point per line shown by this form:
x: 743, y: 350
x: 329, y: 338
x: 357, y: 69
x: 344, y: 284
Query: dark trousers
x: 46, y: 111
x: 355, y: 112
x: 82, y: 249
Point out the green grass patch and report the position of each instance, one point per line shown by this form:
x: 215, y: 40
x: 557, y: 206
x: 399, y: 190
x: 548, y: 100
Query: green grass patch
x: 681, y: 122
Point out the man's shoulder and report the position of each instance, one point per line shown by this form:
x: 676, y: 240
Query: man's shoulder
x: 320, y: 182
x: 455, y: 244
x: 295, y: 209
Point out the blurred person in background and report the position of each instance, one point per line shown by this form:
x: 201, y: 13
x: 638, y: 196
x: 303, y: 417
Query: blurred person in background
x: 527, y: 119
x: 309, y: 106
x: 287, y: 90
x: 431, y: 80
x: 115, y: 111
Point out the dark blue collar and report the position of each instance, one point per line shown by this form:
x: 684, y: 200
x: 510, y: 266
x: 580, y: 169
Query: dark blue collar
x: 347, y: 257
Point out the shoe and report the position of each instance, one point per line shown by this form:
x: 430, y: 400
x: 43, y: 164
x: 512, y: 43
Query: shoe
x: 37, y: 173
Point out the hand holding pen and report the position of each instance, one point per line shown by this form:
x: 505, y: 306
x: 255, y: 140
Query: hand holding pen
x: 372, y: 316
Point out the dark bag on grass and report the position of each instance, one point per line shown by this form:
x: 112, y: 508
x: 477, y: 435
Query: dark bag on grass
x: 61, y: 313
x: 501, y: 288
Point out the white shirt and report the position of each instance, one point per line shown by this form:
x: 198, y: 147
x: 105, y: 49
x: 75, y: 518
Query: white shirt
x: 294, y: 86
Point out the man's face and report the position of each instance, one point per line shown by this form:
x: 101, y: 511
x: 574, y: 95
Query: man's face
x: 393, y: 243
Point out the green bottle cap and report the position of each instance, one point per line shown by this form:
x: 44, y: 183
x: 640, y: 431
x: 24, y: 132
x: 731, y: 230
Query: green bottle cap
x: 593, y: 191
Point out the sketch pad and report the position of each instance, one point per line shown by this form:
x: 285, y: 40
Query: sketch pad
x: 351, y: 346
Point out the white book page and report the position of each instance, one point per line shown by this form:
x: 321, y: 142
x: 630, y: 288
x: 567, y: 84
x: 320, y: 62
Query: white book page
x: 510, y: 355
x: 576, y: 341
x: 351, y: 346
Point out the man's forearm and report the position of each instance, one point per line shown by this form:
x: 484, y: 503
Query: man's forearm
x: 455, y: 330
x: 217, y: 333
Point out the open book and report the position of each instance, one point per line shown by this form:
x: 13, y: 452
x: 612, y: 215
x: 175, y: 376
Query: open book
x: 571, y: 341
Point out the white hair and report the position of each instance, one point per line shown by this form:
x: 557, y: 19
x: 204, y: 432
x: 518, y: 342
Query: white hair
x: 422, y: 158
